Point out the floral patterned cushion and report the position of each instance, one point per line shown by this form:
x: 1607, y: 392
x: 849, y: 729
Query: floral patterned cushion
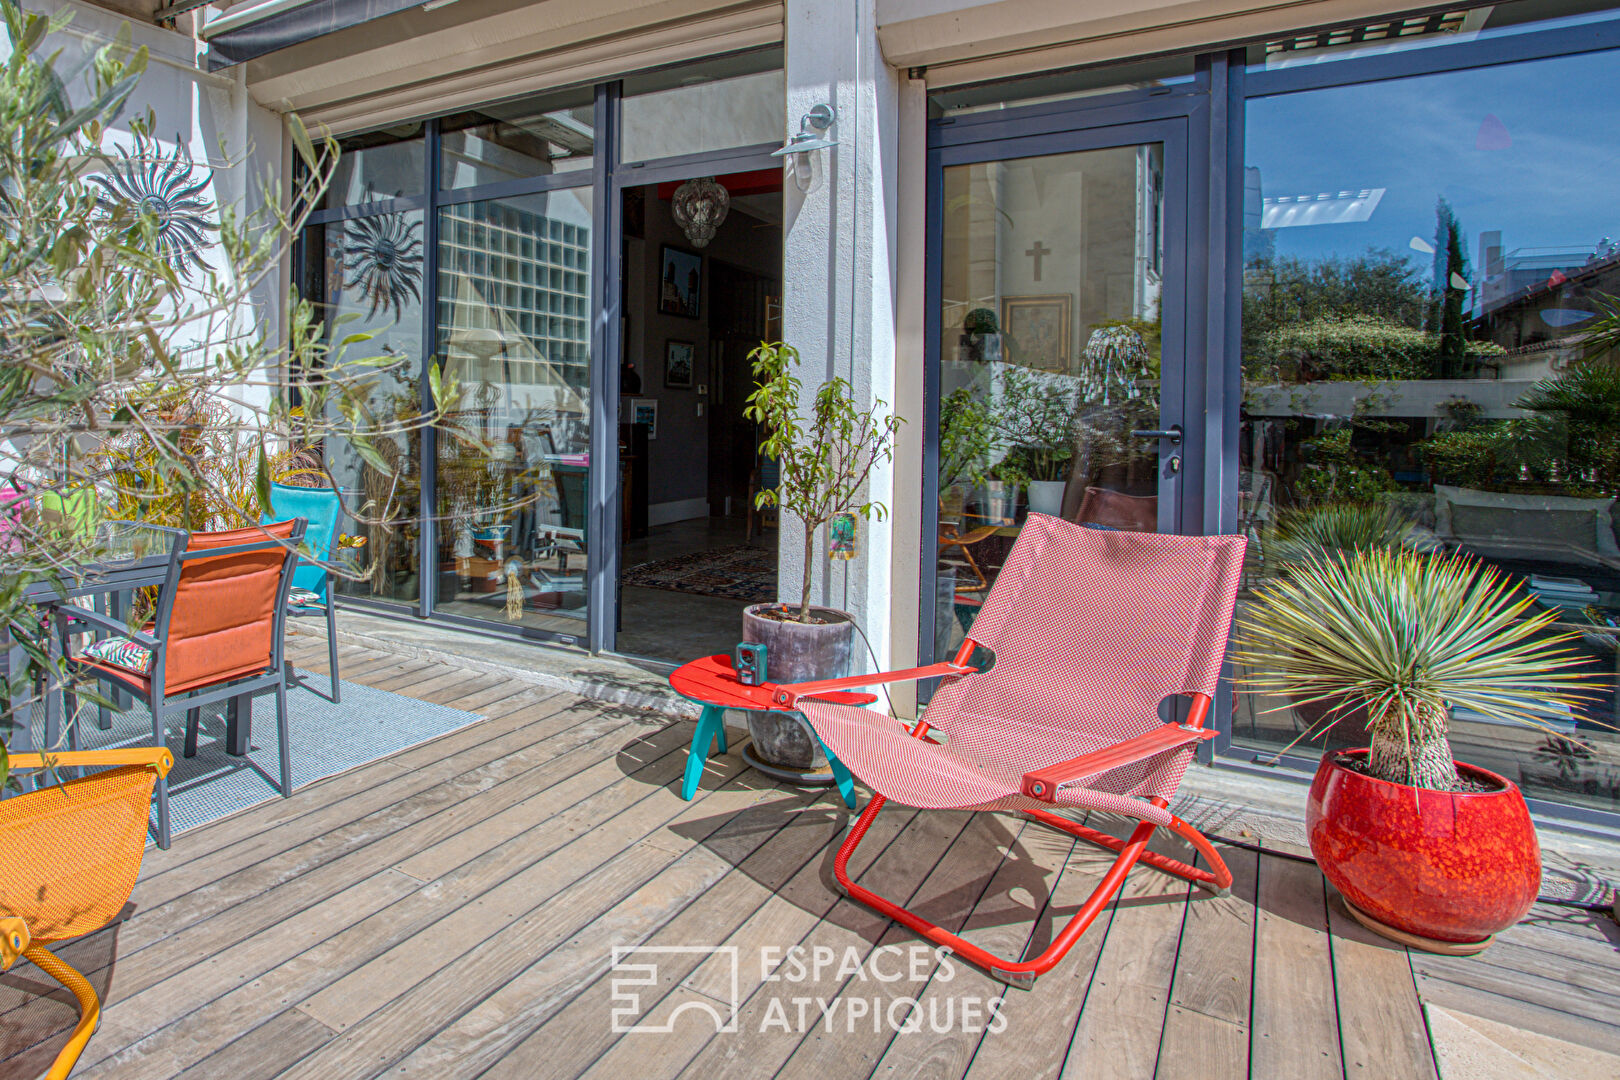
x: 304, y: 597
x: 121, y: 652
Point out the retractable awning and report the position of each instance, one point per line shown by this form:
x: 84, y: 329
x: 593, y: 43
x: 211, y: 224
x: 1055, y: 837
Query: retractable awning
x: 253, y: 30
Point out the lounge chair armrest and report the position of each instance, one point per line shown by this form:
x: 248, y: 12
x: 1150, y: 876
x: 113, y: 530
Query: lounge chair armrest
x: 160, y: 758
x: 1043, y: 783
x: 106, y: 622
x: 786, y: 695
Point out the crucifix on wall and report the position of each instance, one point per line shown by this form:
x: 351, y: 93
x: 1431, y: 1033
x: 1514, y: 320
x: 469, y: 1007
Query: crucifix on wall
x: 1038, y: 251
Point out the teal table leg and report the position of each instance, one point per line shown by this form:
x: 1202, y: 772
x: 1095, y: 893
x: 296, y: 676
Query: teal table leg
x: 711, y: 728
x: 841, y: 776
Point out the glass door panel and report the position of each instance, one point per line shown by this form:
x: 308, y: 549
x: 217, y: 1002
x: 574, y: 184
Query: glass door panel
x: 369, y: 269
x: 1425, y: 299
x: 1052, y: 282
x: 514, y: 328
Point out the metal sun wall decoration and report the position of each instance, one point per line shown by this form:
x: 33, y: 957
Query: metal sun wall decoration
x: 382, y: 259
x: 166, y: 187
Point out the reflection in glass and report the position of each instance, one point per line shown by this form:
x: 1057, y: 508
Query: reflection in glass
x: 1051, y: 280
x: 514, y: 140
x: 365, y: 275
x: 1419, y: 361
x: 514, y: 329
x: 703, y: 115
x: 1062, y: 86
x: 380, y: 165
x: 1402, y: 33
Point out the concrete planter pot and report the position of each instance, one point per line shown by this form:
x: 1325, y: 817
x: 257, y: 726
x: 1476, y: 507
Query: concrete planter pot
x: 783, y: 746
x: 1000, y: 502
x: 1046, y: 497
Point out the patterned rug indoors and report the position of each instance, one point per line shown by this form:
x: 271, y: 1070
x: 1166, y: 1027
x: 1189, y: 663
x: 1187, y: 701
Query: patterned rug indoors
x: 326, y: 739
x: 739, y: 572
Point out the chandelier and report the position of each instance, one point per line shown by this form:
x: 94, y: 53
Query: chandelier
x: 699, y: 207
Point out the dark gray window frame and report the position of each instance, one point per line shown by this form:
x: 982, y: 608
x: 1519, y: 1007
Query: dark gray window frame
x: 607, y: 177
x: 1215, y: 218
x: 430, y: 203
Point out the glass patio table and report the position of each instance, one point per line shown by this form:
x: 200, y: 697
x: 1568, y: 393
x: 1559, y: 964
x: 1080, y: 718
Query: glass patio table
x: 133, y: 555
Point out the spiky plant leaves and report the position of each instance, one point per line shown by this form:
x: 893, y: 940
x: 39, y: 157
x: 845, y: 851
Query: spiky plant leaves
x: 1411, y: 635
x: 1336, y: 528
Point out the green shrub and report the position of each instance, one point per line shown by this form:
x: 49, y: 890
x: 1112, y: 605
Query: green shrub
x: 1360, y: 347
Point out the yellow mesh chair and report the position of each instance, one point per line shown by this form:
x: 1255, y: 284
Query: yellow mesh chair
x: 69, y: 856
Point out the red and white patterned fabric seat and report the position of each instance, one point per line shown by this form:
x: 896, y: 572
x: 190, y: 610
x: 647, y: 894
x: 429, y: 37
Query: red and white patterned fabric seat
x: 1093, y: 634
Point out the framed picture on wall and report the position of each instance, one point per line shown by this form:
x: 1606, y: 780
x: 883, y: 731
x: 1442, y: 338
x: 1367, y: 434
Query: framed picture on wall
x: 645, y: 411
x: 1035, y: 330
x: 680, y: 277
x: 678, y: 364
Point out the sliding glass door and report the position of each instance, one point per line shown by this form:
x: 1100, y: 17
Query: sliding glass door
x: 498, y: 244
x: 514, y: 332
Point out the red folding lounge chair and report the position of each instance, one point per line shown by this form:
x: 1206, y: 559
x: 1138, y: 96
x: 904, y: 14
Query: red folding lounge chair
x: 1091, y: 631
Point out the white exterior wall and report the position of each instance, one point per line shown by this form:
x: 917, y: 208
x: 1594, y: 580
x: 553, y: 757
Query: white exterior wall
x: 210, y: 113
x: 839, y: 273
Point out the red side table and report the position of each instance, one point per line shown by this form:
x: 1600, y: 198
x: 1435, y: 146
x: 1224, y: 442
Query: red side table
x: 712, y: 683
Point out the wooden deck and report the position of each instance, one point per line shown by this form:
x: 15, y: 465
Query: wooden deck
x: 452, y: 911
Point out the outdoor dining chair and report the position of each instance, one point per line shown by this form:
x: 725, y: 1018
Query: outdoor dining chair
x: 69, y: 857
x: 1094, y: 635
x: 312, y: 585
x: 217, y: 634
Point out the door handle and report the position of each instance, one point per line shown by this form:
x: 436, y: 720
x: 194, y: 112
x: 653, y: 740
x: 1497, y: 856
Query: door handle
x: 1173, y: 434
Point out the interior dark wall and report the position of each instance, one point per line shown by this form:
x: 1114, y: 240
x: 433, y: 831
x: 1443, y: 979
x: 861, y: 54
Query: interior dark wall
x: 679, y: 457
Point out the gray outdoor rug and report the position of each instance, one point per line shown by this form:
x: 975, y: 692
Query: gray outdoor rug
x: 327, y: 739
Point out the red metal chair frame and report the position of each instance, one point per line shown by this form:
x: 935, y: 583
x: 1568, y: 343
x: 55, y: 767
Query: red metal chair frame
x: 1042, y: 784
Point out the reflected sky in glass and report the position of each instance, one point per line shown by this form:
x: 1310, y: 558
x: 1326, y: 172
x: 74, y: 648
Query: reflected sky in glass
x: 1530, y: 149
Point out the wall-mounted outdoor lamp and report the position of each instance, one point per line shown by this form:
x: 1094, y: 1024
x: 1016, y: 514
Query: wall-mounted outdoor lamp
x: 812, y: 133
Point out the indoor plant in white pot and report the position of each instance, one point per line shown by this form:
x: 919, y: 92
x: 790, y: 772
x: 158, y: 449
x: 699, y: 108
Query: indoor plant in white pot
x: 1036, y: 420
x: 825, y: 454
x: 1430, y: 852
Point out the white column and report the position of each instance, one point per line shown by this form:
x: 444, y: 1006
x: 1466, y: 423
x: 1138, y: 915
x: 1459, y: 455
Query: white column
x: 839, y: 258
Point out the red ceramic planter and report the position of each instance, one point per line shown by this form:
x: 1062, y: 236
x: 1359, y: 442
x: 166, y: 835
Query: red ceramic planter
x: 1451, y: 869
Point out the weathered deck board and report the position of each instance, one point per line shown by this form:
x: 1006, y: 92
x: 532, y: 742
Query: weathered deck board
x: 378, y: 932
x: 1381, y: 1026
x: 576, y: 1042
x: 452, y: 910
x: 1295, y: 1016
x: 848, y: 1044
x: 847, y: 927
x: 1122, y: 1020
x: 1055, y: 1003
x: 1206, y: 1030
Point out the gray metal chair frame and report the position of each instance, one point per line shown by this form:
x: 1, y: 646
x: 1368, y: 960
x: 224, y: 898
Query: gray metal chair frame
x: 234, y: 691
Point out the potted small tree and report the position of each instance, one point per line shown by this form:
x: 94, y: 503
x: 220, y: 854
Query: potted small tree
x: 824, y: 456
x: 1429, y: 852
x: 966, y: 437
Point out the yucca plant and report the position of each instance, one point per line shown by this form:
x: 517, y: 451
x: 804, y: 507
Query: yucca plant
x: 1337, y: 528
x: 1409, y: 635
